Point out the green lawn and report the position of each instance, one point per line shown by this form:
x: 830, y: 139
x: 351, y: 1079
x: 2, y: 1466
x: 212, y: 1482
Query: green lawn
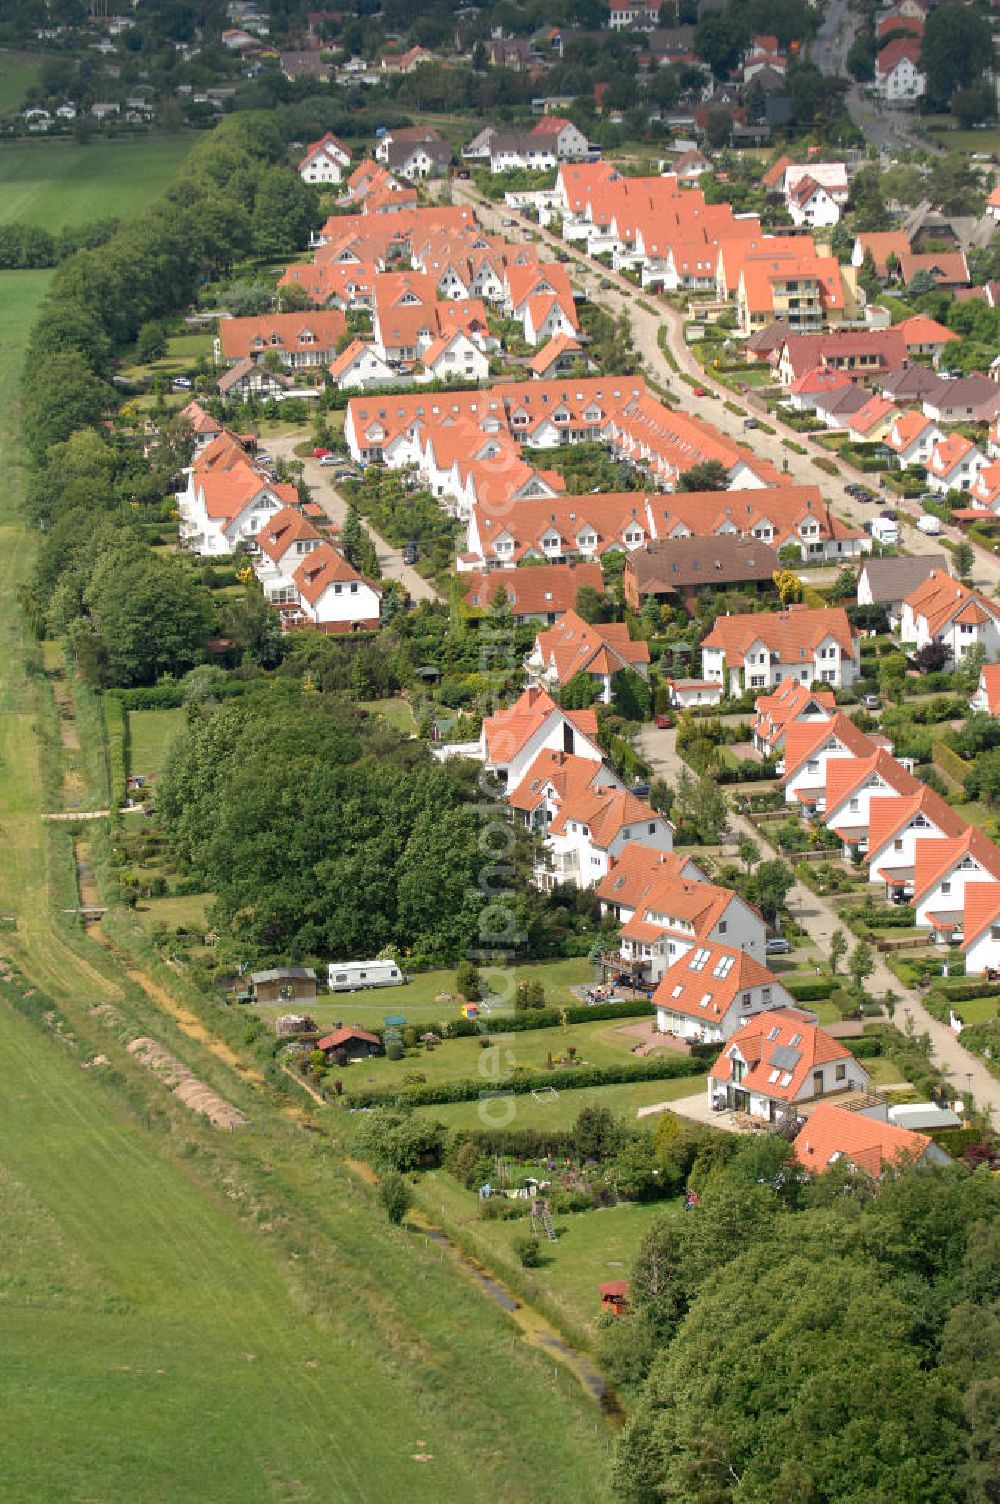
x: 601, y: 1043
x: 415, y: 1000
x: 57, y: 183
x: 18, y: 71
x: 182, y: 355
x: 397, y: 712
x: 149, y: 731
x: 187, y: 912
x: 591, y: 1247
x: 563, y: 1109
x: 977, y: 1010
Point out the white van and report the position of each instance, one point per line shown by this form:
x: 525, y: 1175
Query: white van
x: 929, y: 524
x: 354, y: 976
x: 883, y: 530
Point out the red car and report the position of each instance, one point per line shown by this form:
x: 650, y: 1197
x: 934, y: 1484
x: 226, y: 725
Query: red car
x: 699, y: 391
x: 321, y: 454
x: 664, y: 722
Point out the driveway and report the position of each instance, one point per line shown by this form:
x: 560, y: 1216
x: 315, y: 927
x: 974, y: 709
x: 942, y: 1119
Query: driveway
x: 317, y: 478
x: 819, y: 918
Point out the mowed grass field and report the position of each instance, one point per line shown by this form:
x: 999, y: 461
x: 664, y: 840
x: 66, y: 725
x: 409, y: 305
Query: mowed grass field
x: 149, y: 732
x: 563, y: 1106
x: 18, y: 71
x: 58, y: 183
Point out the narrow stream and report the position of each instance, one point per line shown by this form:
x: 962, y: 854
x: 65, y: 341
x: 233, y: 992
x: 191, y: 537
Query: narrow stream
x: 535, y: 1329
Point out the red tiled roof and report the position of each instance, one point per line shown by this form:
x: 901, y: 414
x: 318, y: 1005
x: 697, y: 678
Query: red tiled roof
x: 755, y: 1044
x: 794, y: 633
x: 831, y: 1133
x: 936, y: 858
x: 707, y: 991
x: 803, y: 738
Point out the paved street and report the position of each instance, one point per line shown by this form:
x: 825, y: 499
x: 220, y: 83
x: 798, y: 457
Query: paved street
x: 819, y: 916
x: 317, y: 478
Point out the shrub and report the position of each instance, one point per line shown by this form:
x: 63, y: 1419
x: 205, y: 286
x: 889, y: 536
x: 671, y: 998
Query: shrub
x: 529, y: 1251
x: 395, y: 1195
x: 809, y: 989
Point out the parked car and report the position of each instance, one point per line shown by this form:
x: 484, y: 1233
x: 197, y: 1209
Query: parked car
x: 182, y: 383
x: 929, y: 524
x: 889, y: 513
x: 321, y: 454
x: 749, y: 422
x: 870, y: 702
x: 562, y: 255
x: 604, y: 284
x: 263, y: 458
x: 410, y: 554
x: 777, y: 945
x: 664, y: 722
x: 699, y: 391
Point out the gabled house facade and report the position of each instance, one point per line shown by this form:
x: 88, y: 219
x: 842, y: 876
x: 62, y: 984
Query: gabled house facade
x: 780, y: 1061
x: 708, y: 998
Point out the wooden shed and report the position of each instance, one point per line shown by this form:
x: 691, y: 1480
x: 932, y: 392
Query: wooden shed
x: 614, y: 1297
x: 284, y: 984
x: 353, y: 1042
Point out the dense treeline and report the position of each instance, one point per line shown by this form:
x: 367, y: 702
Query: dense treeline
x: 817, y: 1342
x: 24, y: 246
x: 97, y: 490
x: 323, y: 835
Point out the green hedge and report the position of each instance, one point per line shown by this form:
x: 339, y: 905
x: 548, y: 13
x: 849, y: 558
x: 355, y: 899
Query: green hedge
x: 808, y: 990
x: 116, y: 726
x: 468, y: 1089
x: 965, y: 991
x: 170, y: 695
x: 948, y: 762
x: 868, y: 1047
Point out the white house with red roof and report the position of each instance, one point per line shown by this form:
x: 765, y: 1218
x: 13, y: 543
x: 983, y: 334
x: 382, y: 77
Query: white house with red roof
x: 204, y: 428
x: 454, y: 357
x: 300, y: 340
x: 574, y: 646
x: 947, y: 611
x: 953, y: 464
x: 709, y: 997
x: 759, y: 650
x: 511, y: 739
x: 780, y: 1061
x: 942, y: 872
x: 899, y: 79
x: 981, y: 928
x: 810, y: 203
x: 896, y: 824
x: 635, y: 874
x: 542, y: 594
x: 833, y: 1135
x: 283, y: 542
x: 853, y: 785
x: 912, y: 437
x: 333, y: 595
x: 361, y: 364
x: 325, y: 161
x: 810, y: 746
x: 986, y: 700
x: 227, y: 501
x: 676, y: 916
x: 591, y: 828
x: 791, y: 704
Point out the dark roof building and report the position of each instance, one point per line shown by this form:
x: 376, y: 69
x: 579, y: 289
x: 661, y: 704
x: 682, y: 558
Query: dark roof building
x: 685, y: 566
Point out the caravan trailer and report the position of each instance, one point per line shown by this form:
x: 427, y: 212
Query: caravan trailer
x: 354, y: 976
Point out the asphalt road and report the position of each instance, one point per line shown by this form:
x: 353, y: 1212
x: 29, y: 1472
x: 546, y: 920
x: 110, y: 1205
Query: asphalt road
x: 887, y: 129
x: 317, y: 478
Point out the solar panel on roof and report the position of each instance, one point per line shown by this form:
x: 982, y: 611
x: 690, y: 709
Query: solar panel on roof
x: 785, y: 1058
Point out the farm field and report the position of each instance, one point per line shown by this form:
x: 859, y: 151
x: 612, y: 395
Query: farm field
x: 57, y: 183
x: 149, y: 731
x: 562, y: 1109
x: 18, y: 71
